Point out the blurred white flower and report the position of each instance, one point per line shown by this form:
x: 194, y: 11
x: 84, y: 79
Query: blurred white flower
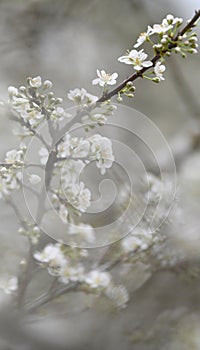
x: 13, y: 156
x: 71, y: 172
x: 79, y: 196
x: 159, y: 70
x: 34, y: 179
x: 50, y: 252
x: 105, y: 78
x: 35, y: 82
x: 137, y: 59
x: 8, y: 284
x: 12, y: 91
x: 58, y: 113
x: 33, y: 116
x: 81, y: 149
x: 130, y: 244
x: 118, y: 294
x: 71, y: 273
x: 97, y: 279
x: 77, y: 95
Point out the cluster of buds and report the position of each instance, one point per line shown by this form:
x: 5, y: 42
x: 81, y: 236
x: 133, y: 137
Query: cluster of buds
x: 33, y: 105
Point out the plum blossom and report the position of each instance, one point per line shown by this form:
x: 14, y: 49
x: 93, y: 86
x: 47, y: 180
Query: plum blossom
x: 79, y: 196
x: 75, y: 147
x: 14, y: 156
x: 101, y: 151
x: 131, y: 243
x: 159, y: 70
x: 51, y: 256
x: 137, y: 59
x: 71, y: 171
x: 69, y: 273
x: 81, y: 96
x: 118, y: 294
x: 20, y: 103
x: 143, y: 37
x: 96, y: 279
x: 8, y: 284
x: 166, y: 25
x: 34, y: 179
x: 35, y: 82
x: 105, y: 78
x: 32, y: 116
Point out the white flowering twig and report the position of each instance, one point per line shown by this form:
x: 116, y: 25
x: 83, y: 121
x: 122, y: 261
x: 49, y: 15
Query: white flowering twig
x: 173, y: 44
x: 31, y: 106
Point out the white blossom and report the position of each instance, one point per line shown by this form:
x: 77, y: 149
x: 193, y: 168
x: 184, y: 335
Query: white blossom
x: 81, y: 96
x: 47, y: 84
x: 79, y: 196
x: 8, y: 284
x: 131, y: 243
x: 20, y: 103
x: 34, y: 179
x: 13, y: 156
x: 166, y: 25
x: 97, y: 279
x: 159, y: 70
x: 101, y: 151
x: 143, y: 37
x: 118, y: 294
x: 105, y: 78
x: 71, y: 273
x: 77, y: 95
x: 32, y: 116
x: 137, y: 59
x: 71, y: 172
x: 35, y: 82
x: 12, y: 91
x: 52, y: 256
x: 58, y: 113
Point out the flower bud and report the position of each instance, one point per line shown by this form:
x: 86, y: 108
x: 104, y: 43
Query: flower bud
x: 47, y: 84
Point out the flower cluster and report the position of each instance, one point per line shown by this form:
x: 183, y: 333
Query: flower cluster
x: 11, y: 171
x: 92, y: 112
x: 32, y: 105
x: 138, y: 240
x: 95, y: 148
x: 67, y: 270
